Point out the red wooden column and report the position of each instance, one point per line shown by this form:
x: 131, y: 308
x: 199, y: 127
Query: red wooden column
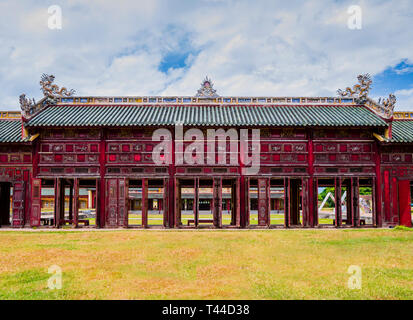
x: 145, y: 202
x: 394, y: 201
x: 111, y: 202
x: 98, y: 205
x: 27, y: 197
x: 217, y: 197
x: 178, y: 204
x: 237, y: 205
x: 312, y: 191
x: 375, y: 218
x: 246, y: 205
x: 386, y: 195
x: 286, y: 202
x: 355, y: 202
x: 36, y: 203
x: 304, y: 202
x: 377, y: 189
x: 263, y: 214
x: 243, y: 202
x: 338, y: 215
x: 19, y: 190
x: 315, y: 201
x: 70, y: 202
x: 101, y: 190
x: 75, y: 202
x: 122, y: 220
x: 404, y: 203
x: 233, y: 203
x: 59, y: 206
x: 166, y: 223
x: 196, y: 201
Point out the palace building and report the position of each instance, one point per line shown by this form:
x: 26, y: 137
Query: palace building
x: 72, y: 161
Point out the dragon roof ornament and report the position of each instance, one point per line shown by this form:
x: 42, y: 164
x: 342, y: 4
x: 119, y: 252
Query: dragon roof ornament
x: 207, y: 89
x: 51, y: 93
x: 360, y: 92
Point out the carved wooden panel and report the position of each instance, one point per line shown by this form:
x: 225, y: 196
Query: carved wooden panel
x: 166, y: 204
x: 345, y: 153
x: 263, y: 202
x: 217, y: 194
x: 123, y: 203
x: 111, y: 202
x: 36, y: 203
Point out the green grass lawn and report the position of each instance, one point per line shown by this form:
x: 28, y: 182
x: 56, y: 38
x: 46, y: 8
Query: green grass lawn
x: 207, y: 264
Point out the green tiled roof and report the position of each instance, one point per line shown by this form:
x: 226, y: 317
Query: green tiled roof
x: 308, y: 115
x: 402, y: 131
x: 10, y: 131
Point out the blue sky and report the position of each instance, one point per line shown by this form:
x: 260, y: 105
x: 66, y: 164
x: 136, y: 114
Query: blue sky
x: 394, y: 79
x: 160, y: 47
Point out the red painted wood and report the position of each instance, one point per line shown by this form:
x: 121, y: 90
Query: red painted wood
x: 178, y: 203
x: 377, y: 189
x: 386, y: 192
x: 111, y: 202
x: 166, y: 207
x: 75, y: 202
x: 217, y: 202
x: 304, y: 202
x: 245, y: 201
x: 58, y: 209
x: 263, y: 201
x: 394, y: 201
x: 338, y: 216
x: 145, y: 203
x: 196, y: 201
x: 286, y: 202
x: 36, y: 203
x: 405, y: 203
x: 101, y: 190
x: 19, y: 189
x: 315, y: 203
x: 237, y: 204
x: 356, y: 204
x: 123, y: 216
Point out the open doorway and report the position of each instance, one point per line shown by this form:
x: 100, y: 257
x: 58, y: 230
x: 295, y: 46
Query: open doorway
x: 135, y: 203
x: 277, y: 205
x: 47, y: 202
x: 326, y: 201
x: 155, y: 202
x: 205, y: 203
x: 230, y: 193
x: 366, y: 202
x: 87, y: 203
x: 186, y: 203
x: 6, y: 196
x: 253, y: 201
x: 295, y: 203
x: 146, y: 203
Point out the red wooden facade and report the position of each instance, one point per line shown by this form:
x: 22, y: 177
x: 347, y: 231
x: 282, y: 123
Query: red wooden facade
x: 297, y: 159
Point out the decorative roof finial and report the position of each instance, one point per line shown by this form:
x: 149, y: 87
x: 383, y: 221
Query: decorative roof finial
x: 50, y: 92
x: 207, y: 89
x: 360, y: 91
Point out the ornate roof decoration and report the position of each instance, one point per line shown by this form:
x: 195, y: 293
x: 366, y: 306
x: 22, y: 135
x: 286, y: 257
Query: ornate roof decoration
x: 51, y: 93
x: 360, y: 92
x: 207, y: 89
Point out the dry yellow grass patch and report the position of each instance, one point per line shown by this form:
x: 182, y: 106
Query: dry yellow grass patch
x: 174, y: 264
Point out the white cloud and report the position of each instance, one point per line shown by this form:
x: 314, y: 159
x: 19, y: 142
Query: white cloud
x: 247, y: 47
